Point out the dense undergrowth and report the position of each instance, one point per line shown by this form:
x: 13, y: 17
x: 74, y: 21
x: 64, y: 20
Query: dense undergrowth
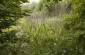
x: 63, y: 35
x: 53, y: 29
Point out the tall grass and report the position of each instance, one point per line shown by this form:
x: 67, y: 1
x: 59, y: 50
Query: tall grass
x: 43, y: 37
x: 44, y: 31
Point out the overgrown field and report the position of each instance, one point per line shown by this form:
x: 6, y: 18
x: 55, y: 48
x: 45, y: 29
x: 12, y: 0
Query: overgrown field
x: 53, y: 27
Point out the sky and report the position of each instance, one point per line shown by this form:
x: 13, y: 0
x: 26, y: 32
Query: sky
x: 31, y: 1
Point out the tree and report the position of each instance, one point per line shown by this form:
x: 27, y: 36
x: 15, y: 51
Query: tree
x: 46, y: 4
x: 74, y: 26
x: 10, y: 12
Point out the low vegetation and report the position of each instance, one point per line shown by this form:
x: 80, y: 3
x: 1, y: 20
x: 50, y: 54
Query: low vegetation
x: 49, y: 27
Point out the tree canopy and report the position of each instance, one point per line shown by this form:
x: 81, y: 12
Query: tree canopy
x: 10, y: 12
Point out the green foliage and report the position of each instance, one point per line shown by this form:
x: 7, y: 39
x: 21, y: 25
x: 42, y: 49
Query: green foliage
x: 52, y: 9
x: 45, y: 39
x: 46, y: 4
x: 74, y: 23
x: 42, y: 36
x: 10, y: 12
x: 53, y: 36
